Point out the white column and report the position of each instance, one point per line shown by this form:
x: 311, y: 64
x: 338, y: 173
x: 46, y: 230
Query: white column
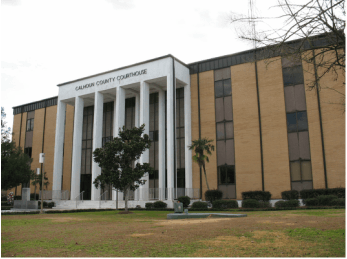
x: 144, y: 119
x: 118, y: 123
x: 170, y: 115
x: 137, y: 124
x: 161, y: 120
x: 77, y: 148
x: 97, y: 141
x: 188, y: 140
x: 120, y: 111
x: 59, y: 149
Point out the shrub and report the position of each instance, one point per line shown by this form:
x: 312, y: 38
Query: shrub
x: 313, y: 193
x: 199, y: 205
x: 264, y: 204
x: 287, y: 204
x: 250, y: 203
x: 44, y: 204
x: 34, y: 196
x: 17, y: 198
x: 213, y: 195
x: 185, y: 200
x: 338, y: 202
x: 256, y: 195
x: 311, y: 202
x: 159, y: 205
x: 3, y: 198
x: 290, y: 195
x: 224, y: 204
x: 149, y: 205
x: 51, y: 204
x: 325, y: 200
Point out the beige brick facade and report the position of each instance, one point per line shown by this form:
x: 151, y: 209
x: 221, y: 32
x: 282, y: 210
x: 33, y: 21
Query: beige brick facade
x: 246, y: 129
x: 195, y: 125
x: 314, y: 128
x: 39, y: 122
x: 274, y: 127
x: 68, y: 148
x: 332, y: 102
x: 48, y: 148
x: 208, y: 126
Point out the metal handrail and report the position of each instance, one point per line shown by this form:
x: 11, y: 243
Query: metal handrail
x: 101, y: 198
x: 77, y: 197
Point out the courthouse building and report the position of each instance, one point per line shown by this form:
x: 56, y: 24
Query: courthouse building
x: 271, y: 132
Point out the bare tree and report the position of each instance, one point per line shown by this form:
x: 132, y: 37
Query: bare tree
x: 311, y: 30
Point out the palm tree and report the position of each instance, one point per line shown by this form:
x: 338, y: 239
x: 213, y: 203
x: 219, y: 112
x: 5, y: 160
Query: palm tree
x: 200, y: 146
x: 38, y: 180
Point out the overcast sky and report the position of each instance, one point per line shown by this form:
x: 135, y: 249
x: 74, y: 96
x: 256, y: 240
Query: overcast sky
x: 44, y: 43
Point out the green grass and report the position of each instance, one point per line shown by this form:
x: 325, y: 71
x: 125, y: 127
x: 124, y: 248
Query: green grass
x: 146, y: 234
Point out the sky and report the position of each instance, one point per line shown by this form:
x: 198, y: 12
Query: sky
x: 45, y: 43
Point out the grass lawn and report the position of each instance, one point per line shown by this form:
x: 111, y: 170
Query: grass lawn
x: 310, y: 233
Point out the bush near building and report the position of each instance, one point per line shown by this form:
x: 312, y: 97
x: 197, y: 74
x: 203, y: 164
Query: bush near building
x: 256, y: 195
x: 287, y: 204
x: 213, y: 195
x: 199, y: 205
x: 159, y: 205
x: 225, y: 204
x: 325, y: 200
x: 290, y: 195
x: 313, y: 193
x: 185, y: 200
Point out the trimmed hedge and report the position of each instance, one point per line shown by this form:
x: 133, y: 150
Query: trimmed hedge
x: 185, y: 200
x: 290, y: 195
x: 325, y: 200
x: 149, y: 205
x: 256, y: 195
x: 250, y: 203
x: 159, y: 205
x: 213, y: 195
x: 338, y: 202
x: 225, y: 204
x: 311, y: 202
x: 287, y: 204
x: 313, y: 193
x: 199, y: 205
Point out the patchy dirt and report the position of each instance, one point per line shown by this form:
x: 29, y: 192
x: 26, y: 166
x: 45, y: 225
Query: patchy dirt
x: 141, y: 235
x: 113, y: 235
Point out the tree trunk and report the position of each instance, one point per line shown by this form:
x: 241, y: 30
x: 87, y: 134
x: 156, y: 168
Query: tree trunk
x: 35, y: 192
x: 208, y: 188
x: 126, y: 192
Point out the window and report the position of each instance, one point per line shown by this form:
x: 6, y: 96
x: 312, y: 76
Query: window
x: 30, y: 124
x: 297, y: 125
x: 225, y: 133
x: 297, y: 121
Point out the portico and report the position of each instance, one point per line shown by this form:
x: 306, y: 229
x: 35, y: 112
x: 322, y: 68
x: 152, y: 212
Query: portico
x: 155, y: 93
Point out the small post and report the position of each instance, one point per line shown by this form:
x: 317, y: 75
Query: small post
x: 42, y: 161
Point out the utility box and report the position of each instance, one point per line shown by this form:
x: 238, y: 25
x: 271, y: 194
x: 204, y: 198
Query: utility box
x: 178, y: 207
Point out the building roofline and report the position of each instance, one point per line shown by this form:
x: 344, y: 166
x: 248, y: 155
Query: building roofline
x: 46, y: 99
x: 117, y: 69
x: 319, y: 36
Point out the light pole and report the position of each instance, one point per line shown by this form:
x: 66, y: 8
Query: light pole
x: 42, y: 161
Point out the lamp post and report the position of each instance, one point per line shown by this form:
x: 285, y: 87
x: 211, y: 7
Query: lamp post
x: 42, y: 161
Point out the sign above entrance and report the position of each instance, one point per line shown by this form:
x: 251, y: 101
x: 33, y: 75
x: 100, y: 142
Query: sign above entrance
x: 137, y: 73
x: 111, y: 79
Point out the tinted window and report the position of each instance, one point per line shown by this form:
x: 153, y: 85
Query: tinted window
x: 291, y: 122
